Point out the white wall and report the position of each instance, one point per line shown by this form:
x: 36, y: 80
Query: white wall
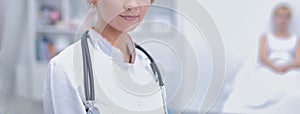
x: 12, y: 36
x: 296, y: 7
x: 2, y: 7
x: 242, y: 22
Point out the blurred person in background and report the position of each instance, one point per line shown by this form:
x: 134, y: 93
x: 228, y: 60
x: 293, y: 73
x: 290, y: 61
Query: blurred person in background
x: 113, y: 53
x: 272, y: 86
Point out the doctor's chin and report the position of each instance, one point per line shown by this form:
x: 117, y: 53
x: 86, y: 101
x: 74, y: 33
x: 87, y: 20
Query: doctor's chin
x: 149, y: 57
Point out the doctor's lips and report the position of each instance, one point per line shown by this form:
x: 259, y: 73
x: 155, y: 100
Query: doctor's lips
x: 129, y: 17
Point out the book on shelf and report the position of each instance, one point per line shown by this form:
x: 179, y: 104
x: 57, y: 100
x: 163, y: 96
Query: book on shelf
x: 45, y: 49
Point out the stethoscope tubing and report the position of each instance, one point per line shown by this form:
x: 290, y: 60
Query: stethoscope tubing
x: 89, y: 78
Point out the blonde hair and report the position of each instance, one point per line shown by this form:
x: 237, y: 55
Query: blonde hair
x: 285, y: 7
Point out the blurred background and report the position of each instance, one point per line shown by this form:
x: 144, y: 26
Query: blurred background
x: 33, y: 31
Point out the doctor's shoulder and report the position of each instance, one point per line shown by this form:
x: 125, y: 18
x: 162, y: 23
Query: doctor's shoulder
x: 64, y: 62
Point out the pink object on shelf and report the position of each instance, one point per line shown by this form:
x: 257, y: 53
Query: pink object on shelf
x: 54, y: 16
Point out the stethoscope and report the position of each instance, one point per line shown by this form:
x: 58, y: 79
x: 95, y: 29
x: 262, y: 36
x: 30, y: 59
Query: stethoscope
x: 89, y: 89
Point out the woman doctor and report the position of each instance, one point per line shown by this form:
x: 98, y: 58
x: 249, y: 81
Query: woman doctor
x: 123, y: 81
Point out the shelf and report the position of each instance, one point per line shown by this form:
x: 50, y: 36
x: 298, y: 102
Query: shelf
x: 53, y: 30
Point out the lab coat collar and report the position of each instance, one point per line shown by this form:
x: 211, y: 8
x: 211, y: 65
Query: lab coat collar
x: 100, y: 44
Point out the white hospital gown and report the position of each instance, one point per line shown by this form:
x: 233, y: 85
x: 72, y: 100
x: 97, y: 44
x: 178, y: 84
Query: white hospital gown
x: 120, y: 88
x: 260, y: 90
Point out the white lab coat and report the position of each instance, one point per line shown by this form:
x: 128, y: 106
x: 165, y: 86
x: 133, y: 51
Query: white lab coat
x: 120, y: 88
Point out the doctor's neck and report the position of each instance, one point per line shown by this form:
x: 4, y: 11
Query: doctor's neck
x: 111, y: 34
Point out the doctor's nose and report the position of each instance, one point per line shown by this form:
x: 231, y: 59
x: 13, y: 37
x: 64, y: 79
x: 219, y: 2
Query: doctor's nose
x: 131, y: 5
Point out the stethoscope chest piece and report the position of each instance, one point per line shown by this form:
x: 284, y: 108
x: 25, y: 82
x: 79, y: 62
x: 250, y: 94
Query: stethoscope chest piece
x: 93, y: 110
